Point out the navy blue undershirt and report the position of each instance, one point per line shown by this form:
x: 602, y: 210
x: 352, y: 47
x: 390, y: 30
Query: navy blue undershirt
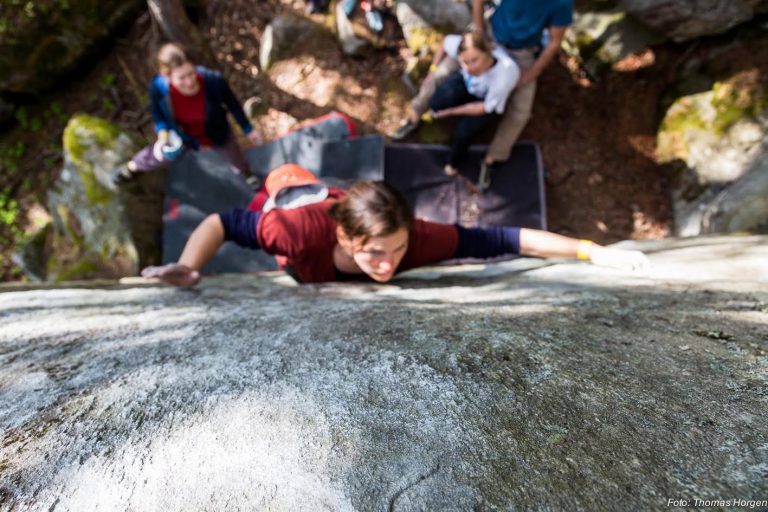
x: 240, y: 227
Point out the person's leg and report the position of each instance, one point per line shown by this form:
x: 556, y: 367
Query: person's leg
x: 145, y: 161
x: 516, y: 114
x: 451, y: 93
x: 420, y: 104
x: 465, y: 131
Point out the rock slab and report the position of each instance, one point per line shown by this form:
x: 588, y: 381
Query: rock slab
x: 522, y: 385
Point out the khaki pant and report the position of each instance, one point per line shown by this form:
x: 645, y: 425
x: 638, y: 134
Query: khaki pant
x: 517, y: 112
x: 515, y: 116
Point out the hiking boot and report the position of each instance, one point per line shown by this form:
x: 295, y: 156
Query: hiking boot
x: 405, y: 129
x: 484, y: 181
x: 122, y: 175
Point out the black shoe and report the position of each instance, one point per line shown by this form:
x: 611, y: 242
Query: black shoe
x: 405, y: 129
x: 122, y: 175
x: 484, y: 181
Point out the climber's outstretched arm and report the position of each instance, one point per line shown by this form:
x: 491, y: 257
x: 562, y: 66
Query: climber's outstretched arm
x: 200, y: 248
x: 543, y: 244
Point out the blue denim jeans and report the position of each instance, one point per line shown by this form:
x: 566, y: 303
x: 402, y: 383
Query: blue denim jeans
x: 451, y: 93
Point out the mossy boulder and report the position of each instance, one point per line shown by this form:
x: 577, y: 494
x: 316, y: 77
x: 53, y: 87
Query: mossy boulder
x: 598, y: 40
x: 424, y: 23
x: 715, y: 141
x: 91, y: 236
x: 42, y: 41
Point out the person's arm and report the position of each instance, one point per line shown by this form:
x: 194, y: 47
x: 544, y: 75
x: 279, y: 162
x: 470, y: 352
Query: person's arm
x: 498, y: 241
x: 233, y: 105
x: 159, y: 116
x: 543, y: 244
x: 476, y: 108
x: 236, y: 225
x: 478, y: 16
x: 556, y: 35
x: 199, y: 249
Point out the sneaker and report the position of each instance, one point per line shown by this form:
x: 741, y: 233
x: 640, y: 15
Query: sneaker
x: 484, y: 181
x: 405, y: 129
x: 122, y: 175
x: 450, y: 170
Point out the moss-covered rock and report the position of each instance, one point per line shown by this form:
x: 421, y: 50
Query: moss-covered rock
x: 425, y: 23
x: 716, y: 142
x: 91, y: 236
x: 41, y: 41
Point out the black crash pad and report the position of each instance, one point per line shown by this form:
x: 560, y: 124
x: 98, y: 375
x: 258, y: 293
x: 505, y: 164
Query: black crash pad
x: 515, y: 198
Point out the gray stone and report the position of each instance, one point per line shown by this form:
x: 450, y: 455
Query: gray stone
x: 450, y: 16
x: 280, y: 37
x: 523, y: 385
x: 740, y: 206
x: 600, y: 39
x: 682, y: 20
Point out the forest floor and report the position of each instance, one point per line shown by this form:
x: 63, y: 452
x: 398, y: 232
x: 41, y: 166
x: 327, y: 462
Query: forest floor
x: 597, y: 137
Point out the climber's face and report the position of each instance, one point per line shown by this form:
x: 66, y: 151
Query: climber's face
x: 184, y: 79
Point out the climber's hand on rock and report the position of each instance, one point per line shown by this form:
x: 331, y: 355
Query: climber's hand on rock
x: 174, y: 274
x: 620, y: 258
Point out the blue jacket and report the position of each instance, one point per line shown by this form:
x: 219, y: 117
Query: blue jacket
x: 218, y: 99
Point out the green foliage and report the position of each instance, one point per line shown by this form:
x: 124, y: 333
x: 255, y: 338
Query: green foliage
x: 107, y: 81
x: 58, y: 111
x: 21, y: 117
x: 9, y: 210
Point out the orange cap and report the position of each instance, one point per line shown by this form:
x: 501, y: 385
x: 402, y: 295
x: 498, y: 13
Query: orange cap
x: 288, y: 175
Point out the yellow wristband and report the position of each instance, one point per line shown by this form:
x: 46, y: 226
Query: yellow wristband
x: 584, y: 250
x: 432, y: 67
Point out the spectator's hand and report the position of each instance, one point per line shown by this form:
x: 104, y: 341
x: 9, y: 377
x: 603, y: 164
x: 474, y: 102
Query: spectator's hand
x: 157, y: 148
x: 174, y: 274
x: 620, y: 258
x: 255, y: 137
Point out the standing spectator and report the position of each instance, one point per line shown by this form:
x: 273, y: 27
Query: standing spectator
x: 189, y: 105
x: 519, y: 25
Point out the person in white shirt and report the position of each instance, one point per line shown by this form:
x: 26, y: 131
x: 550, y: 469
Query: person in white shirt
x: 476, y: 88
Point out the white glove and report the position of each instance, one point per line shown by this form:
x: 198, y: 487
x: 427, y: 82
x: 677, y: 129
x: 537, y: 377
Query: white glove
x: 157, y: 150
x: 619, y: 258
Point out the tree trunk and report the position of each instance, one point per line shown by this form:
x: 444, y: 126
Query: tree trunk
x: 176, y: 26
